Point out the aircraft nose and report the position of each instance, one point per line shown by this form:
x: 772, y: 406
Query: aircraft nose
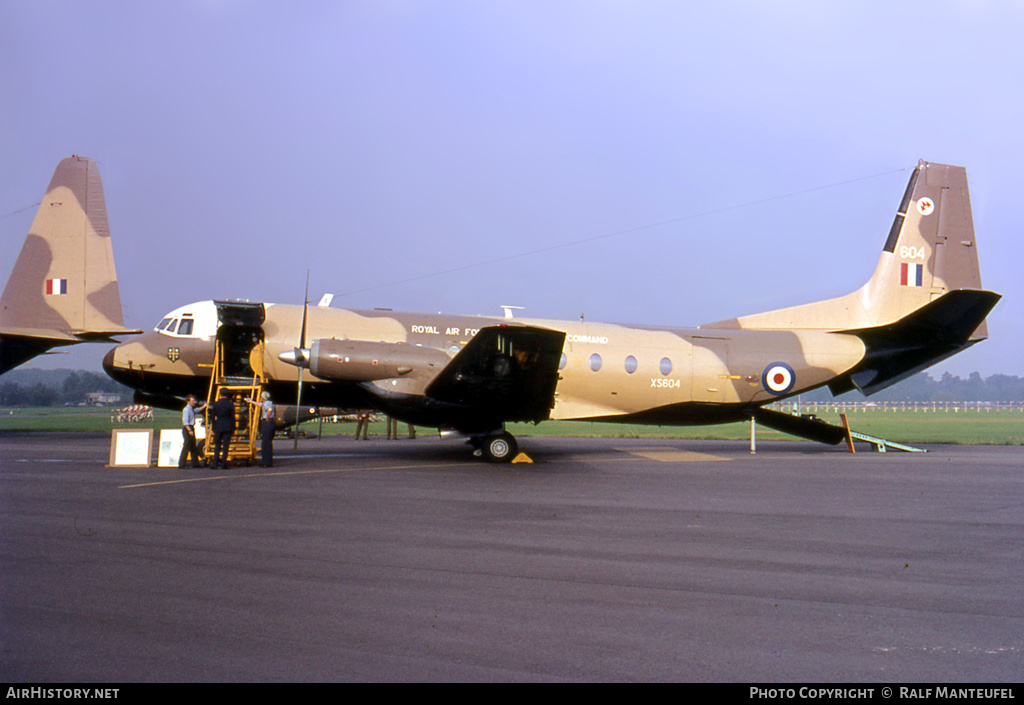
x: 120, y: 373
x: 108, y: 362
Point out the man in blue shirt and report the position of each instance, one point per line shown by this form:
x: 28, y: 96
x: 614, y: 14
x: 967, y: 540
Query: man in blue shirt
x: 188, y: 433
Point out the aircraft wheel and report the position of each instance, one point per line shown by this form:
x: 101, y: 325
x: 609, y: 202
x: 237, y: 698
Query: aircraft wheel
x: 501, y: 448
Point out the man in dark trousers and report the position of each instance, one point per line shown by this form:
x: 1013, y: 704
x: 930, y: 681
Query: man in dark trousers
x: 188, y: 433
x: 268, y: 425
x: 223, y: 428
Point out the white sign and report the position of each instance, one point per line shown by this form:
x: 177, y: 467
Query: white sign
x: 171, y: 442
x: 131, y: 448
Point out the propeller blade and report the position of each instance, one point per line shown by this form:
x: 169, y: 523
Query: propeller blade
x: 305, y: 311
x: 299, y: 355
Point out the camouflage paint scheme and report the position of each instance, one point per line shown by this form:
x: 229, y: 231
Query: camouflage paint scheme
x: 63, y: 287
x: 923, y: 303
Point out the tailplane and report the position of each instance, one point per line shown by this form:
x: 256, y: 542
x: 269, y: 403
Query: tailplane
x: 63, y: 287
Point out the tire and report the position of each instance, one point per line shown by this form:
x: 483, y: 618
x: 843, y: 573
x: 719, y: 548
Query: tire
x: 501, y: 448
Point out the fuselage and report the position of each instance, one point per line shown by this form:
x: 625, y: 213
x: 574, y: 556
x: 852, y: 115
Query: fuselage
x: 607, y: 372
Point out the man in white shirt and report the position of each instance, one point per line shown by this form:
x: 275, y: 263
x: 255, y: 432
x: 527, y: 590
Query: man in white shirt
x: 188, y: 433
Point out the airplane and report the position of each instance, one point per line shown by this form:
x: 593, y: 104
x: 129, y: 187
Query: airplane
x: 471, y: 374
x: 63, y: 288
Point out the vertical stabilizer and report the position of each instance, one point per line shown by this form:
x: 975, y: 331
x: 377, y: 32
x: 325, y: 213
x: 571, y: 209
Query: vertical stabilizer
x: 64, y: 280
x: 930, y: 251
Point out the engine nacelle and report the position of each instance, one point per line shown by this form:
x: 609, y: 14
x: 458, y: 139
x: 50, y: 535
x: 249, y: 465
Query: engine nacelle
x: 365, y: 361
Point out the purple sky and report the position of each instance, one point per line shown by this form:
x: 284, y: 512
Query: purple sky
x: 428, y: 155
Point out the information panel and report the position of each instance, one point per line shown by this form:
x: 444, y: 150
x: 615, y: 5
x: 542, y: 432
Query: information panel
x: 131, y: 448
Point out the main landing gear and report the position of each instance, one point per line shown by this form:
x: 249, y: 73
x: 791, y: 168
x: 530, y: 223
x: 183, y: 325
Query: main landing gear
x: 498, y: 448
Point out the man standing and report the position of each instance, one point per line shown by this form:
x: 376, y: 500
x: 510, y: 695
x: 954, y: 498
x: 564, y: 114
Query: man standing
x: 188, y: 433
x: 362, y: 424
x: 393, y: 429
x: 268, y: 425
x: 223, y: 428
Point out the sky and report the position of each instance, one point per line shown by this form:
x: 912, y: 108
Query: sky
x: 630, y: 161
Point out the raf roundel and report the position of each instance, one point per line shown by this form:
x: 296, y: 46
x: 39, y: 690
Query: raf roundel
x: 778, y: 378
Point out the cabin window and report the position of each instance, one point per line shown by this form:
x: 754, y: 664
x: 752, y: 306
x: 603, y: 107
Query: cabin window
x: 171, y: 326
x: 186, y: 326
x: 562, y: 362
x: 630, y: 364
x: 595, y: 362
x: 163, y: 324
x: 665, y: 366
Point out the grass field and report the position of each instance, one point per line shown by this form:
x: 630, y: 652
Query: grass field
x: 972, y: 426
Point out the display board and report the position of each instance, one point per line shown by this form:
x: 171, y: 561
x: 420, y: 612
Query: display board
x: 131, y: 448
x: 171, y: 442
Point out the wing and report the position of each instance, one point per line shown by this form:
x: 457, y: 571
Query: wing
x: 505, y: 372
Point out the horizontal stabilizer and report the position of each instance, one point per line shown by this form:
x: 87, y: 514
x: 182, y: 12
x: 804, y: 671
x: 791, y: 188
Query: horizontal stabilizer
x: 952, y: 318
x: 932, y: 333
x: 506, y: 372
x: 105, y: 336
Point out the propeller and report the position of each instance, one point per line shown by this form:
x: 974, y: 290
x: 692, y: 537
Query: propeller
x: 301, y: 355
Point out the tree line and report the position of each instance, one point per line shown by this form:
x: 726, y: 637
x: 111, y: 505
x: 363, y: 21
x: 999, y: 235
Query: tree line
x: 56, y: 387
x: 923, y: 387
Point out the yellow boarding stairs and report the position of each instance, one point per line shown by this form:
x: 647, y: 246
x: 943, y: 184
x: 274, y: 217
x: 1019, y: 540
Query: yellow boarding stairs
x: 238, y: 368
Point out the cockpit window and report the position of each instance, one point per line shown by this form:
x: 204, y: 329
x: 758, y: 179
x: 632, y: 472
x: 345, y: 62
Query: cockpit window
x: 196, y: 320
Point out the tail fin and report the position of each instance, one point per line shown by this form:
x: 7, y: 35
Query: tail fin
x: 930, y: 251
x: 63, y: 288
x: 931, y: 248
x: 63, y: 284
x: 924, y: 302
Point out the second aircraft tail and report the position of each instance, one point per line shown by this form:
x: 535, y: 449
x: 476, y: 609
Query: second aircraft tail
x: 63, y: 287
x: 63, y: 284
